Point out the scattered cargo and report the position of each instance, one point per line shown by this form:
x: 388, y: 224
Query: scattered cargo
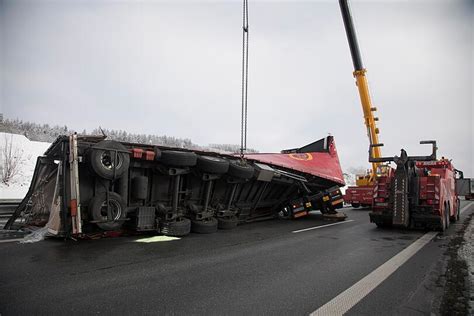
x: 87, y: 184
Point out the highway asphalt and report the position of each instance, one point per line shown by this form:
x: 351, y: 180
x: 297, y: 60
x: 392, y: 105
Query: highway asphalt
x: 259, y: 268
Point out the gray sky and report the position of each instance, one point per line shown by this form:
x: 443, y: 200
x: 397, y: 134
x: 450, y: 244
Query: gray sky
x: 174, y: 68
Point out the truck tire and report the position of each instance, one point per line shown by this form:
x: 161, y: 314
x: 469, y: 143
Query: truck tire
x: 98, y: 210
x: 455, y: 217
x: 178, y: 158
x: 178, y: 228
x: 239, y: 170
x: 214, y: 165
x: 206, y: 226
x: 228, y: 222
x: 355, y: 205
x: 444, y: 219
x: 102, y: 162
x: 383, y: 224
x: 458, y: 213
x: 448, y: 212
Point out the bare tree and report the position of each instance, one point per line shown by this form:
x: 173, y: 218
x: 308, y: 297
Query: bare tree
x: 10, y: 159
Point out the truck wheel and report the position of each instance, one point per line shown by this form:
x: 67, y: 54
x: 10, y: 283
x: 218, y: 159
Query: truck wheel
x: 458, y: 210
x: 455, y: 217
x: 444, y: 219
x: 229, y: 222
x: 102, y: 160
x: 355, y: 205
x: 215, y: 165
x: 447, y: 213
x: 383, y: 224
x: 239, y: 170
x: 178, y: 228
x: 206, y: 226
x: 98, y: 210
x: 178, y: 158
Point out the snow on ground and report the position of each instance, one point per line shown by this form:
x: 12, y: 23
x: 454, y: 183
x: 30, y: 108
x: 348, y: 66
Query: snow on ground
x: 27, y: 151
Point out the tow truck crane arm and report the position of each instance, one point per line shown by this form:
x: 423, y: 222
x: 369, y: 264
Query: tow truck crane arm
x: 363, y: 87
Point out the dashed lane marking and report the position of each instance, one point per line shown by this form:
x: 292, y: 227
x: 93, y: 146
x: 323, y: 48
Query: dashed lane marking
x: 350, y: 297
x: 322, y: 226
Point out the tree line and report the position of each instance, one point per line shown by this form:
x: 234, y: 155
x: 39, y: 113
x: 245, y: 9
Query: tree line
x: 48, y: 133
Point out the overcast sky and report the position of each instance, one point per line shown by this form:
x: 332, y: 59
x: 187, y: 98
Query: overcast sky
x: 174, y: 68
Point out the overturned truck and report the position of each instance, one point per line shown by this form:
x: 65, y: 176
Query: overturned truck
x: 88, y: 184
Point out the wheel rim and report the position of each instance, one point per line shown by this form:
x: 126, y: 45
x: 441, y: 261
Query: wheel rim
x: 107, y: 160
x: 116, y: 210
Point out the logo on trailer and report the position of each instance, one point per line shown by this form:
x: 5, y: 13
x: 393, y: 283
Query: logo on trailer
x: 304, y: 156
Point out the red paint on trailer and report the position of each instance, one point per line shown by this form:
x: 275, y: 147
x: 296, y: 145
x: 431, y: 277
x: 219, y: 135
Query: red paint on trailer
x: 320, y: 164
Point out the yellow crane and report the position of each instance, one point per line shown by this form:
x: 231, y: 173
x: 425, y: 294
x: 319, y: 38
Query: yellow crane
x: 368, y: 179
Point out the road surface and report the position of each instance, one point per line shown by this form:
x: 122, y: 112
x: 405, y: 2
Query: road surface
x: 275, y: 267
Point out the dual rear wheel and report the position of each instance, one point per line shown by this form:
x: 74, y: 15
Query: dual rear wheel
x: 110, y: 160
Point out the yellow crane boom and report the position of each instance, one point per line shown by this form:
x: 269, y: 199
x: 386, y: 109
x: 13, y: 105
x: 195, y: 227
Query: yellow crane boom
x: 365, y: 99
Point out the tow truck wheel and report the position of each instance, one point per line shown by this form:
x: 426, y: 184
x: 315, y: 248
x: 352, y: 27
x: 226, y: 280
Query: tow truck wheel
x: 383, y: 224
x: 228, y: 222
x: 177, y: 228
x: 214, y: 165
x: 455, y: 217
x: 99, y: 212
x: 448, y: 209
x: 109, y: 159
x: 444, y: 219
x: 206, y: 226
x: 458, y: 211
x: 355, y: 205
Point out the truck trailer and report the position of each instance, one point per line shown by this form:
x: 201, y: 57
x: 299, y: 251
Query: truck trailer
x: 89, y: 184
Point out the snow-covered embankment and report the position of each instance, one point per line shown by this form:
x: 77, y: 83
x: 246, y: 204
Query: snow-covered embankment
x: 26, y: 152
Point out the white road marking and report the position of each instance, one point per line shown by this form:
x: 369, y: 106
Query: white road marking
x: 322, y: 226
x: 10, y: 240
x: 465, y: 208
x: 350, y: 297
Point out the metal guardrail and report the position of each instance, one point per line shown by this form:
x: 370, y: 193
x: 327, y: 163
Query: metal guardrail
x: 7, y: 207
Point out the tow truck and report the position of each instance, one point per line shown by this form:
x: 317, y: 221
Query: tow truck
x: 420, y: 193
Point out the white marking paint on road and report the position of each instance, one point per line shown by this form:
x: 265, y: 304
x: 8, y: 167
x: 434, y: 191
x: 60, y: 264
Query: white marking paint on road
x: 465, y: 208
x: 322, y: 226
x: 10, y: 240
x: 350, y: 297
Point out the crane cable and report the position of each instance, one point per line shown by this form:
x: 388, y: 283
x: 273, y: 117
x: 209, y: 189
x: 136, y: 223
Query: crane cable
x: 245, y: 77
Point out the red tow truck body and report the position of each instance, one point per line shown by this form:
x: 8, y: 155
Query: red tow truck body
x: 421, y: 192
x: 359, y: 196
